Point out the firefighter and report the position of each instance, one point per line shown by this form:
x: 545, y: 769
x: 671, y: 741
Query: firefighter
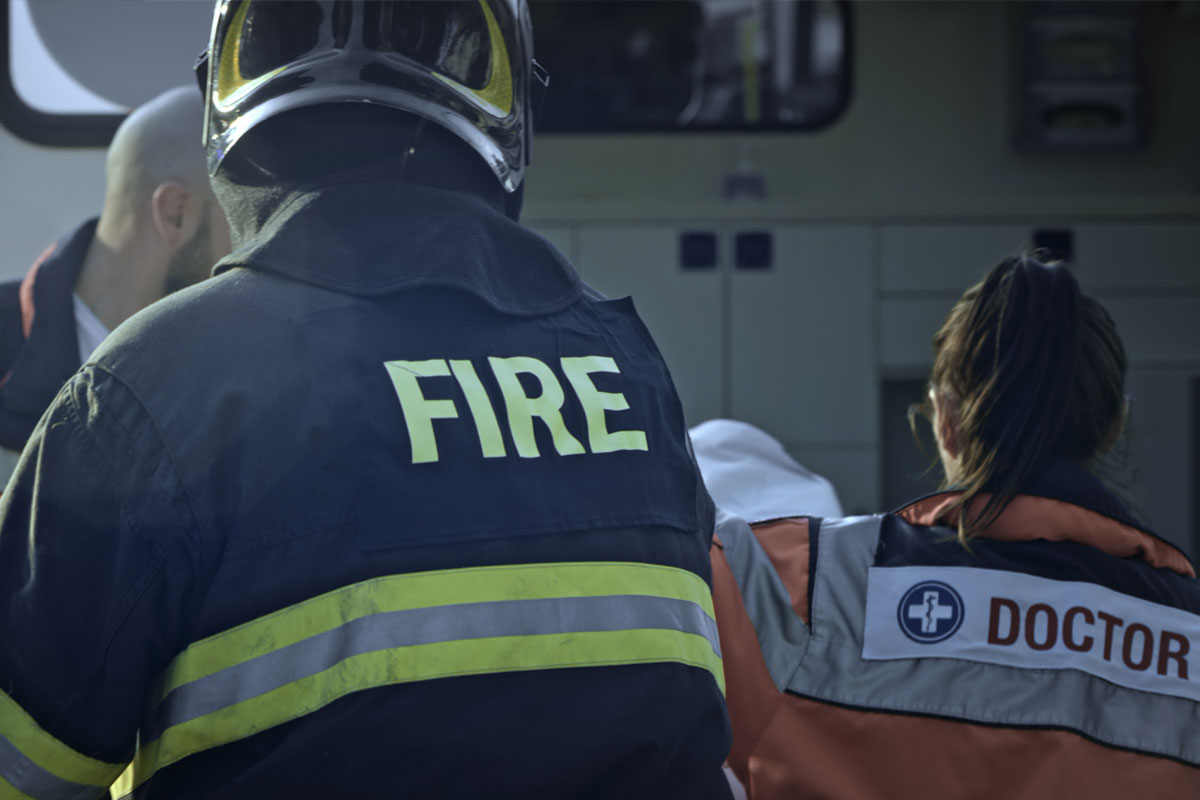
x: 392, y: 504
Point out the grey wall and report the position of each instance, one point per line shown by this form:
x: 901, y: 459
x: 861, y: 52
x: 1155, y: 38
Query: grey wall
x: 44, y: 192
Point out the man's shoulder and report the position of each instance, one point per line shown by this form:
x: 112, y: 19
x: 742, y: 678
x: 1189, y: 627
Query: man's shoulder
x: 11, y: 329
x: 10, y: 296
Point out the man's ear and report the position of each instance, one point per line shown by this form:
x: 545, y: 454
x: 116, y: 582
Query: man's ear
x: 946, y: 414
x: 172, y: 208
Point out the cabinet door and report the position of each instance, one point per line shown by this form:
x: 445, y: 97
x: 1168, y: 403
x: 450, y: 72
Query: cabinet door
x: 1154, y: 462
x: 1115, y: 258
x: 803, y: 343
x: 682, y: 308
x: 943, y: 258
x: 923, y: 269
x: 803, y: 356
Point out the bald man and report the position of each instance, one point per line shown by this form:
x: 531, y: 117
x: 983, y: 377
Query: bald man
x: 160, y: 230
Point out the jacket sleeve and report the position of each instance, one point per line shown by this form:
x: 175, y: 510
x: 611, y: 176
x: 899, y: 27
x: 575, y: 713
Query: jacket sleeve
x: 760, y: 577
x: 96, y: 565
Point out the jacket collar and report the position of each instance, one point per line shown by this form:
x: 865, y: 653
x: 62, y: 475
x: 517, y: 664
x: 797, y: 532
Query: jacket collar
x: 364, y: 236
x: 50, y: 354
x: 1064, y: 503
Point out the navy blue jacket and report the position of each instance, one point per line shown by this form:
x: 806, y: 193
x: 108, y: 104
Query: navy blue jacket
x: 39, y: 348
x: 389, y: 506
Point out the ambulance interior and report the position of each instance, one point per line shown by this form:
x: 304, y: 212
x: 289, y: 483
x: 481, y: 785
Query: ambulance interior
x: 793, y: 192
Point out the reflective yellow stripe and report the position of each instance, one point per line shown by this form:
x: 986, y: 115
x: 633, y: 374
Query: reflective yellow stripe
x: 424, y: 590
x: 499, y: 90
x: 10, y: 792
x: 231, y: 86
x: 422, y: 626
x: 123, y: 785
x: 229, y: 68
x: 47, y: 753
x: 421, y: 662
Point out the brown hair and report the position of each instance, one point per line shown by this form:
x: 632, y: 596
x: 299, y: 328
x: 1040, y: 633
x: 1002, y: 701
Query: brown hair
x: 1038, y: 373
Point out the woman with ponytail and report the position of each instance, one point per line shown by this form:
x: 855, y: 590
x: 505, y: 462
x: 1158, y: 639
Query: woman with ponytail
x: 1017, y: 635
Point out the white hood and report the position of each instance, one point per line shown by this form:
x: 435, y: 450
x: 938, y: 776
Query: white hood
x: 748, y: 473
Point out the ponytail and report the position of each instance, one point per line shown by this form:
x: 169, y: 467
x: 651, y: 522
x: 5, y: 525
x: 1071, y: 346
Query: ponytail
x: 1036, y: 371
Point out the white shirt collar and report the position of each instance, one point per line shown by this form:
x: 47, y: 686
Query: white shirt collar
x: 89, y: 330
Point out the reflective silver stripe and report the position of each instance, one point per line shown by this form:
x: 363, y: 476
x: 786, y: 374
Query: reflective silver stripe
x: 419, y: 626
x: 28, y: 778
x: 782, y: 636
x: 833, y: 669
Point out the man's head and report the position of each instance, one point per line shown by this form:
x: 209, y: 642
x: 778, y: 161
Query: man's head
x: 161, y: 228
x: 158, y: 205
x: 459, y: 66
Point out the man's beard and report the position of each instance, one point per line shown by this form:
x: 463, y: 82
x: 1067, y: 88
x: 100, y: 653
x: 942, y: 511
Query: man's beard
x: 193, y: 261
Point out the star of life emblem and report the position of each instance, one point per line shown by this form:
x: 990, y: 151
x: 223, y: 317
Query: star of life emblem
x: 930, y: 612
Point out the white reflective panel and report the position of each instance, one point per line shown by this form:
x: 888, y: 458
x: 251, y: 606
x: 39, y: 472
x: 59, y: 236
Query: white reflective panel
x: 39, y: 80
x: 103, y: 57
x: 1018, y: 620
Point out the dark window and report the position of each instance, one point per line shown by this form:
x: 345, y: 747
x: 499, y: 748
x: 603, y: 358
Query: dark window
x: 662, y: 65
x: 69, y: 71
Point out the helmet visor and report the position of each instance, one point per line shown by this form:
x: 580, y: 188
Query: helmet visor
x: 459, y: 42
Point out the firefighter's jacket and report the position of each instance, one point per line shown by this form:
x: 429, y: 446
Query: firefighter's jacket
x: 391, y: 506
x: 876, y: 657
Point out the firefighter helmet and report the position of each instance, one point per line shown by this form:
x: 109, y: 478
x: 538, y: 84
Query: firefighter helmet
x: 465, y: 65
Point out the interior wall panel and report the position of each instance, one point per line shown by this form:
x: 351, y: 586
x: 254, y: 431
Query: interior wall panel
x: 803, y: 338
x: 943, y: 257
x: 681, y: 308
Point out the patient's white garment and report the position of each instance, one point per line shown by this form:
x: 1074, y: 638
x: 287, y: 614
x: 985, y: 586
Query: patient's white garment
x: 748, y: 473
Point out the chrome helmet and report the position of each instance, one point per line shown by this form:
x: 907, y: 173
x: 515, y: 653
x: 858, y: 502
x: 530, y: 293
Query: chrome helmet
x: 465, y: 65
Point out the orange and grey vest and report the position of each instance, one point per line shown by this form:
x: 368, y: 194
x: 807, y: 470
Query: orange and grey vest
x: 872, y: 657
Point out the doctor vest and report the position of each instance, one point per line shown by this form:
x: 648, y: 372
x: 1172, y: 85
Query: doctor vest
x: 439, y: 549
x: 1047, y: 649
